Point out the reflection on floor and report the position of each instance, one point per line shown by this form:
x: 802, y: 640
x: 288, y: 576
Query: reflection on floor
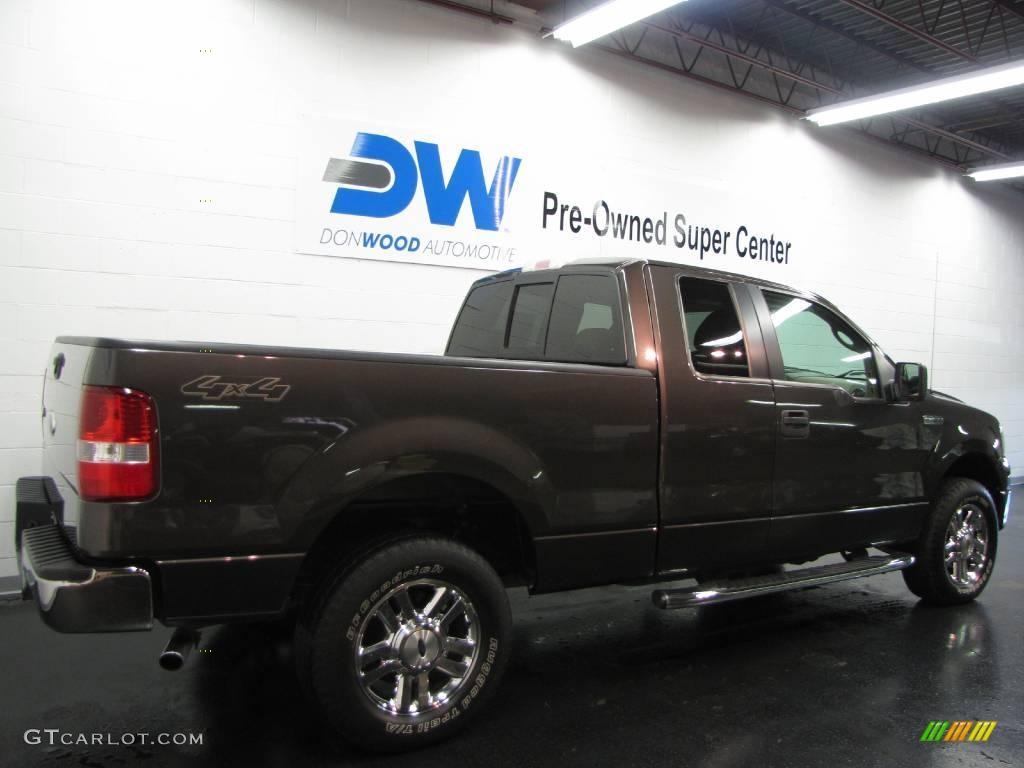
x: 847, y: 674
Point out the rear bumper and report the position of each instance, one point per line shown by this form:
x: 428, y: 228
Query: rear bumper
x: 73, y: 596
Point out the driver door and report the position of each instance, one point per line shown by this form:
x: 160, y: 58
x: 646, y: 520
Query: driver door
x: 848, y: 466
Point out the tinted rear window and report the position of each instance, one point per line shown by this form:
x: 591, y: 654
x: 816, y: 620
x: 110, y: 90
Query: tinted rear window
x: 529, y: 321
x: 480, y: 328
x: 586, y: 321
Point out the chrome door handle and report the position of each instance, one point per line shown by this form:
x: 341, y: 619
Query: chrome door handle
x: 795, y: 424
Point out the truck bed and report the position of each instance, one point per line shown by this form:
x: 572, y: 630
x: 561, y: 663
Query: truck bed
x: 261, y: 446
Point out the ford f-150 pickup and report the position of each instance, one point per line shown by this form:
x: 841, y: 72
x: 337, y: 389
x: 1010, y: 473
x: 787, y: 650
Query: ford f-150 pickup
x: 605, y: 422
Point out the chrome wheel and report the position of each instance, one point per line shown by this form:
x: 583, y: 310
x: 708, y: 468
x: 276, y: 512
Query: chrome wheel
x: 416, y: 647
x: 966, y: 551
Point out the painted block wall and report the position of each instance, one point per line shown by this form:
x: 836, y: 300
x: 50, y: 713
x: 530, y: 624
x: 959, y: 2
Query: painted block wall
x: 120, y: 118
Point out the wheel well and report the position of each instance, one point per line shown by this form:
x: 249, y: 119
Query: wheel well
x: 453, y: 506
x: 976, y: 466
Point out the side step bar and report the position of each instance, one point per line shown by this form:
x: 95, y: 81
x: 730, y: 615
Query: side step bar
x: 737, y: 589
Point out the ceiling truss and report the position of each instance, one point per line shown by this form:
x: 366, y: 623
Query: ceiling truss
x: 801, y: 54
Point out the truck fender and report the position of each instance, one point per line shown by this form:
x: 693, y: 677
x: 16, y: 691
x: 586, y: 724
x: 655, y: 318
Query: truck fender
x: 978, y: 445
x: 364, y: 459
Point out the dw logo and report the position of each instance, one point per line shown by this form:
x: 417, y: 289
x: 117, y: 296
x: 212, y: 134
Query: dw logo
x: 383, y: 181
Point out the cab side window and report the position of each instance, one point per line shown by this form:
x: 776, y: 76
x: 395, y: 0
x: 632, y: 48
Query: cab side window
x: 713, y: 332
x: 480, y: 328
x: 819, y: 347
x: 529, y: 322
x: 586, y: 321
x: 578, y: 319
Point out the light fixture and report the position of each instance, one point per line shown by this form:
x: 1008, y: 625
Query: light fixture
x: 956, y: 87
x: 997, y: 172
x: 607, y: 17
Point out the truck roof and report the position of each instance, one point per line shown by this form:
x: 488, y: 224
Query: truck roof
x: 618, y: 264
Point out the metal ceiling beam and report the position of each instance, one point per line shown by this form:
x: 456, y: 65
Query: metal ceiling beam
x: 892, y: 21
x: 1010, y: 114
x: 1014, y: 8
x: 745, y: 58
x: 796, y: 77
x: 497, y: 18
x: 981, y: 125
x: 749, y: 49
x: 836, y: 29
x: 953, y: 137
x: 798, y: 55
x: 626, y: 54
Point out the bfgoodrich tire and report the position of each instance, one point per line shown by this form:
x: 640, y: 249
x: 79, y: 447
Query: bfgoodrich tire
x: 409, y: 644
x: 957, y: 549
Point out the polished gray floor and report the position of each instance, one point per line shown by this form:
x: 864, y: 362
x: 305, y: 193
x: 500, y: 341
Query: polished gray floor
x: 848, y: 674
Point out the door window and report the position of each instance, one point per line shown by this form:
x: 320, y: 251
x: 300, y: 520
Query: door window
x: 819, y: 347
x: 713, y: 331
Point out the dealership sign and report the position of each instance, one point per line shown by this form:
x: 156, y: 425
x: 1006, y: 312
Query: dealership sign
x: 373, y: 192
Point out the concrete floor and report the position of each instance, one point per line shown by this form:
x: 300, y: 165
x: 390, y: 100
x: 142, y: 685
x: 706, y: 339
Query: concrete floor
x: 848, y: 674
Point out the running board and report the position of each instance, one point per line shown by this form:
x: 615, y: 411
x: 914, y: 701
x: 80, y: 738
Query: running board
x: 737, y: 589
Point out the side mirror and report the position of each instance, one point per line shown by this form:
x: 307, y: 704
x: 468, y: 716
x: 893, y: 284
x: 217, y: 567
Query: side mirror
x: 911, y: 381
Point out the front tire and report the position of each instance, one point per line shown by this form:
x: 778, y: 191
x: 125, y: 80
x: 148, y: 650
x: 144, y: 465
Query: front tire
x: 408, y: 644
x: 957, y: 549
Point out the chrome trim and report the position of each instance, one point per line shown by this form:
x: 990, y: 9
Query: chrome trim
x: 965, y: 554
x: 431, y: 647
x: 230, y: 558
x: 739, y: 589
x: 178, y: 648
x: 73, y: 597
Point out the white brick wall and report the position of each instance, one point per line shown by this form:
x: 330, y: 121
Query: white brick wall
x: 113, y: 126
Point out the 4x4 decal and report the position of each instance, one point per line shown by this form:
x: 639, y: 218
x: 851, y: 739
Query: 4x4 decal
x: 211, y: 387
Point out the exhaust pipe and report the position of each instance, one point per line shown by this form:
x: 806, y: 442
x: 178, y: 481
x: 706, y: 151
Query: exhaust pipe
x: 178, y: 648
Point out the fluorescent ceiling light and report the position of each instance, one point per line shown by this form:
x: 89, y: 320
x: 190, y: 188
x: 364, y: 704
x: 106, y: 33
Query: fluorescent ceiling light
x: 997, y: 172
x: 971, y: 84
x: 607, y: 17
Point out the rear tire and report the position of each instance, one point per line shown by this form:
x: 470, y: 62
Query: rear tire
x: 407, y: 644
x: 957, y: 549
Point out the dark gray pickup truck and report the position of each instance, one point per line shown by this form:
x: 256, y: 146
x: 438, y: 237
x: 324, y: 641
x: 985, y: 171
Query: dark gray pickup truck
x: 607, y: 422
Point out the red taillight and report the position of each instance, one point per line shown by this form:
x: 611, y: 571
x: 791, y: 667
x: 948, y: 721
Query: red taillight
x: 118, y: 447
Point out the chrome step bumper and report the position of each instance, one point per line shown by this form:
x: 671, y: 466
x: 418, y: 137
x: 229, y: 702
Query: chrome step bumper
x: 737, y: 589
x: 73, y: 596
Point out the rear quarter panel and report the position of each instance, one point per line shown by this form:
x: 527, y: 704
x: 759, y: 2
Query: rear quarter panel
x: 574, y: 447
